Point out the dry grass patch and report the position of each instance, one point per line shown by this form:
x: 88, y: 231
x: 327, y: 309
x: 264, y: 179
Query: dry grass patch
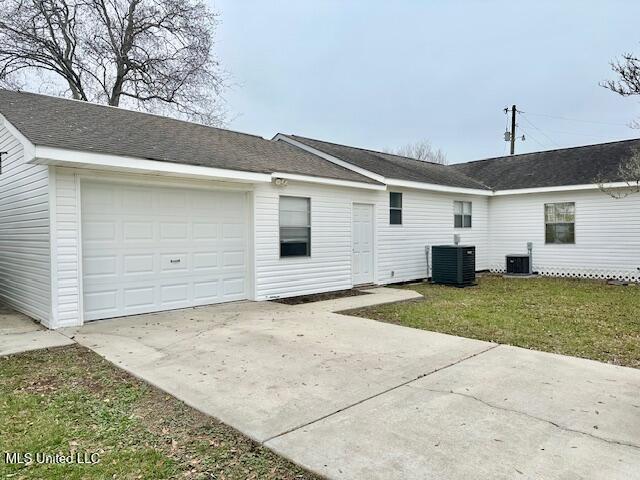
x: 71, y: 400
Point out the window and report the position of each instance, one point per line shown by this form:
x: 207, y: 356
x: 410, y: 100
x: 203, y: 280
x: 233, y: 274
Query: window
x: 395, y: 208
x: 462, y: 214
x: 295, y: 227
x: 560, y: 222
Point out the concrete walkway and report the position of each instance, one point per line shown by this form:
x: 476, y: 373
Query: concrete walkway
x: 352, y: 398
x: 19, y: 333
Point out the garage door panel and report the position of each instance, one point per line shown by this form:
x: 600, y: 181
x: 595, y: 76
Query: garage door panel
x: 136, y: 200
x: 183, y: 248
x: 207, y: 291
x: 137, y: 231
x: 174, y: 263
x: 138, y: 297
x: 205, y: 230
x: 176, y: 293
x: 103, y: 302
x: 231, y: 231
x: 205, y: 260
x: 174, y: 231
x: 171, y: 200
x: 137, y: 264
x: 101, y: 195
x: 99, y: 231
x: 233, y: 286
x: 100, y: 266
x: 233, y: 259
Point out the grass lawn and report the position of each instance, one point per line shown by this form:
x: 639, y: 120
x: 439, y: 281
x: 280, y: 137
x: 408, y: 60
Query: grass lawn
x: 71, y: 400
x: 582, y: 318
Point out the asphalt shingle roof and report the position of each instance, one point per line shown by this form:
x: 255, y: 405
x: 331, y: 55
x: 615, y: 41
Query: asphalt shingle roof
x: 552, y: 168
x: 58, y: 122
x: 394, y: 166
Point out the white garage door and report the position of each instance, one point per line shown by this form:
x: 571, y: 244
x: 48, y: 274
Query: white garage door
x: 148, y: 249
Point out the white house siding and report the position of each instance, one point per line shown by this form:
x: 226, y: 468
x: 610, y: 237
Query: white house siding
x: 607, y: 233
x: 427, y: 220
x: 24, y: 230
x: 329, y: 266
x: 66, y: 273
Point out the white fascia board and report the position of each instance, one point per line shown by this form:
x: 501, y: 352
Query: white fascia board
x: 330, y: 158
x: 29, y: 148
x: 561, y: 188
x: 327, y: 181
x: 98, y: 161
x: 391, y: 182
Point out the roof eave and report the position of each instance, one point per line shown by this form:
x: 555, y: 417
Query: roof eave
x: 27, y: 145
x: 97, y: 161
x: 559, y: 188
x: 392, y: 182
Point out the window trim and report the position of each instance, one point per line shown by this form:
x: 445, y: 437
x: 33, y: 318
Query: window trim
x: 293, y: 257
x: 398, y: 209
x: 544, y: 213
x: 462, y: 215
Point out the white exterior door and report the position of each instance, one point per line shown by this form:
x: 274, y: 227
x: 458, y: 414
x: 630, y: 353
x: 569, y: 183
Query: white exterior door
x: 362, y: 263
x: 149, y: 248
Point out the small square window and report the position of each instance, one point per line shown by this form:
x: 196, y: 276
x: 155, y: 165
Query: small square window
x: 395, y: 208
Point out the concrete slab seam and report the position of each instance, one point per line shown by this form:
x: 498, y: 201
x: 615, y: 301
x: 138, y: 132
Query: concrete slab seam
x: 528, y: 415
x: 375, y: 395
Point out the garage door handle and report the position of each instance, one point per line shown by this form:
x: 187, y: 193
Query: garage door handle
x: 175, y: 260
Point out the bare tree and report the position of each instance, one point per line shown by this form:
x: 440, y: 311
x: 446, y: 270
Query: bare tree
x: 156, y: 55
x: 628, y: 70
x: 629, y: 173
x: 627, y: 84
x: 422, y: 150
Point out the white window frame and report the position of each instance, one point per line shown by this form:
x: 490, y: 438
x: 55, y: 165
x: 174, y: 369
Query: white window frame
x: 397, y: 209
x: 308, y: 226
x: 546, y: 222
x: 460, y: 212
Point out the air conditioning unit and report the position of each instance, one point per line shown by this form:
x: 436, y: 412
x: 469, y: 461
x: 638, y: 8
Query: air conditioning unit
x: 518, y: 264
x: 453, y: 265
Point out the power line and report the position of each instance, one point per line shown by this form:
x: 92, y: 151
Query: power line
x: 553, y: 142
x: 579, y: 120
x: 579, y: 134
x: 528, y: 134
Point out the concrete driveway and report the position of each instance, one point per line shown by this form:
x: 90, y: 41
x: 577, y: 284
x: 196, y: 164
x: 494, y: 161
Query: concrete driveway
x: 353, y: 398
x: 19, y: 333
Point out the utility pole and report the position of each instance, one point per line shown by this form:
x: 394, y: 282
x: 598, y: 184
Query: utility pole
x: 510, y: 136
x: 513, y: 129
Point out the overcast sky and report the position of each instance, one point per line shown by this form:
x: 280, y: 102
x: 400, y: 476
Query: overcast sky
x: 380, y: 74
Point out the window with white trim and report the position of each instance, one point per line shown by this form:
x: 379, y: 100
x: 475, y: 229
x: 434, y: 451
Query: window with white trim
x: 395, y: 208
x: 560, y: 222
x: 462, y: 214
x: 295, y: 226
